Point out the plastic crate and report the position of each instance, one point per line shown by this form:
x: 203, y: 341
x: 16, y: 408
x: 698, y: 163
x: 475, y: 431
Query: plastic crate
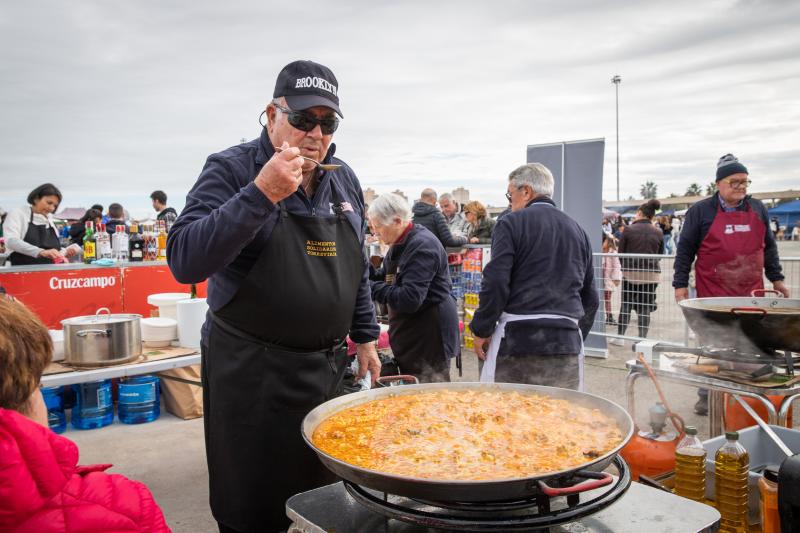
x: 762, y: 451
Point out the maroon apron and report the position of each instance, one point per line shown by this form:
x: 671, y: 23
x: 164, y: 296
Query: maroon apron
x: 730, y: 261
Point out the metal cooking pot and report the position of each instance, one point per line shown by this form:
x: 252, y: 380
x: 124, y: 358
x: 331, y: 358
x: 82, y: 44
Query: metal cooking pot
x: 747, y: 324
x: 463, y: 491
x: 102, y: 339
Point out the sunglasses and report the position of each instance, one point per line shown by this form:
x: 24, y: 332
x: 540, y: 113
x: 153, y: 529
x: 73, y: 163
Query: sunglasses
x: 508, y: 194
x: 305, y: 122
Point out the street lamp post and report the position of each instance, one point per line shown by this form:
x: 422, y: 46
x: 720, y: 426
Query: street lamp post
x: 616, y: 80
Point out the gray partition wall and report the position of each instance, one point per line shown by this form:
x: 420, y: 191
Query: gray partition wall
x: 577, y: 167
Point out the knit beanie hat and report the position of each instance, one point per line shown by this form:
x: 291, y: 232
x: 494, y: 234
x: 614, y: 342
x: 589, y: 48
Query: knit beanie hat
x: 729, y: 165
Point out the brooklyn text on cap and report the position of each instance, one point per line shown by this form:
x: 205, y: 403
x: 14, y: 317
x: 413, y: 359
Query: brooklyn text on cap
x: 306, y: 84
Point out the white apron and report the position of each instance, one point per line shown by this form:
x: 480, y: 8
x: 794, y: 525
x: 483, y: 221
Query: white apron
x: 490, y: 364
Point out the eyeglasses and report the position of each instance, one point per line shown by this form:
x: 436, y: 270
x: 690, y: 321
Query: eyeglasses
x: 508, y: 194
x: 738, y: 184
x: 306, y: 122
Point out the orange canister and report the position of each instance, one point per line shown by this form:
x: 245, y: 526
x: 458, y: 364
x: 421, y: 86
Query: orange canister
x: 768, y: 488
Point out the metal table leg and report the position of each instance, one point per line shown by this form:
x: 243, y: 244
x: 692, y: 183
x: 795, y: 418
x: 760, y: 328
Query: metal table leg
x: 783, y: 413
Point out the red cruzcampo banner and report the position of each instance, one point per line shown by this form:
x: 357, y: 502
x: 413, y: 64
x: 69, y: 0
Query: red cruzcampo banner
x: 58, y: 294
x: 62, y: 292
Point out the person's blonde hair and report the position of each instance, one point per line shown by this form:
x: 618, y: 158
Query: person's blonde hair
x: 25, y: 351
x: 475, y: 207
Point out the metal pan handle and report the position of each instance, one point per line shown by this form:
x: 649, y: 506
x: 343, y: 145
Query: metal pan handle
x: 738, y: 311
x: 763, y: 292
x: 98, y: 332
x: 597, y: 480
x: 387, y: 381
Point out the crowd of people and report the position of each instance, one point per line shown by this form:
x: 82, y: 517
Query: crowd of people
x: 33, y: 234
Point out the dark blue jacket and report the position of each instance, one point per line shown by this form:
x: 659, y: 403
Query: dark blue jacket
x: 541, y: 264
x: 695, y: 227
x: 228, y: 220
x: 430, y: 217
x: 422, y: 280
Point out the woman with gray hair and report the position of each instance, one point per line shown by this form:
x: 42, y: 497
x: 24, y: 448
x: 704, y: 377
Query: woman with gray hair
x: 415, y: 284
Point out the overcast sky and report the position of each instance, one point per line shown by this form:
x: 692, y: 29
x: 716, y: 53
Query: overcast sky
x: 111, y: 100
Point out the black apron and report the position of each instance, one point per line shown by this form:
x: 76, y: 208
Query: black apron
x: 416, y: 338
x: 41, y: 236
x: 275, y: 352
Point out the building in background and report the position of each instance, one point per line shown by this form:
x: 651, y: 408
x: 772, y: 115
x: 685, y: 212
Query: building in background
x: 461, y: 195
x: 369, y: 195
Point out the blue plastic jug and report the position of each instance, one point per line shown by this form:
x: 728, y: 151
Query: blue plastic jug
x: 56, y: 418
x: 93, y: 405
x: 139, y: 399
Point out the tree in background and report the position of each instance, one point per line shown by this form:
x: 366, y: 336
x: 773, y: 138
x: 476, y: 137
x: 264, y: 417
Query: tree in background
x: 649, y: 190
x: 694, y: 190
x: 711, y: 188
x: 672, y: 195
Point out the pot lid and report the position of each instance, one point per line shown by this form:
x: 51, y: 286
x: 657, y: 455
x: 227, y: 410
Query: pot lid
x: 167, y: 298
x: 100, y: 319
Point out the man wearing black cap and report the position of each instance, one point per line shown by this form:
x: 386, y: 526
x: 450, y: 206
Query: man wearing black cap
x: 280, y: 242
x: 728, y: 234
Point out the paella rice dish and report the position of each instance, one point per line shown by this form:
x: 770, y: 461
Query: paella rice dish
x: 467, y: 435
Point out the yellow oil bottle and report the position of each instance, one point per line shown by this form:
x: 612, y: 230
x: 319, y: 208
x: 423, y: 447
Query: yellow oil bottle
x: 690, y: 467
x: 732, y: 464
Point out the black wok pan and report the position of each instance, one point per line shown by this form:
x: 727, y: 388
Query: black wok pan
x: 465, y: 491
x: 748, y: 324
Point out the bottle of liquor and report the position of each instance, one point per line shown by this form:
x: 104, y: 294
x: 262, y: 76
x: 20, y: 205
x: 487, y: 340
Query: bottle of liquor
x: 150, y: 244
x: 120, y: 243
x: 135, y: 245
x: 103, y: 242
x: 162, y: 241
x: 89, y: 248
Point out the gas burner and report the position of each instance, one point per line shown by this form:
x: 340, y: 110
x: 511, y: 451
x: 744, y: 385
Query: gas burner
x: 554, y: 506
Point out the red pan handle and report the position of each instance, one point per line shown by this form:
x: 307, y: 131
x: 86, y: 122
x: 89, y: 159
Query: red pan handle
x: 600, y: 479
x: 764, y: 292
x: 749, y: 311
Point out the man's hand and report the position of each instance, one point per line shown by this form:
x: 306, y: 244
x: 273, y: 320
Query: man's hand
x: 681, y: 294
x: 479, y: 345
x: 51, y: 254
x: 367, y: 357
x: 781, y: 287
x: 282, y: 174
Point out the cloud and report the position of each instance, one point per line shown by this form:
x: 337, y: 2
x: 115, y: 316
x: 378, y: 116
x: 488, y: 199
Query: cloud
x: 120, y: 98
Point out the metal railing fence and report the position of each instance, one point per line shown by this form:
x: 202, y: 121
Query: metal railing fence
x: 637, y: 300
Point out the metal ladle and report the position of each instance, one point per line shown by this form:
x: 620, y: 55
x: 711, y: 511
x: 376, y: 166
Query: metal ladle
x: 321, y: 166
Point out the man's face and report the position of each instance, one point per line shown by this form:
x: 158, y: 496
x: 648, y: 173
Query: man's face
x: 312, y: 143
x: 733, y: 189
x: 518, y: 196
x: 448, y: 207
x: 156, y: 205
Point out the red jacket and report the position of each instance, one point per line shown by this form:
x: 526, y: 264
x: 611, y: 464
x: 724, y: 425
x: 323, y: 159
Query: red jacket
x: 42, y: 490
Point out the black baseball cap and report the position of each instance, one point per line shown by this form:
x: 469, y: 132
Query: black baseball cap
x: 306, y: 84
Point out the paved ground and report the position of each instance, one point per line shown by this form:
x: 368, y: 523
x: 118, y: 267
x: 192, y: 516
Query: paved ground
x: 168, y: 454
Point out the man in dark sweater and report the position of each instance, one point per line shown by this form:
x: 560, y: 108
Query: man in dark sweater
x: 537, y: 299
x: 426, y: 214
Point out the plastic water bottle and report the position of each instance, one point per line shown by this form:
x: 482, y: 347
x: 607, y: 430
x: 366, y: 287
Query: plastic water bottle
x: 56, y: 418
x: 93, y: 405
x: 139, y: 399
